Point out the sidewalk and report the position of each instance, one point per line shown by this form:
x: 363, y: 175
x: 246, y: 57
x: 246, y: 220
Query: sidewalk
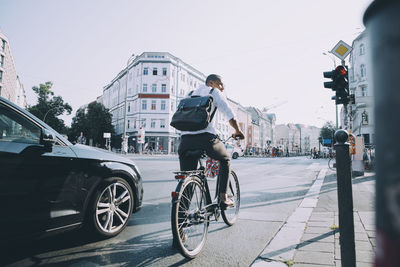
x: 317, y: 243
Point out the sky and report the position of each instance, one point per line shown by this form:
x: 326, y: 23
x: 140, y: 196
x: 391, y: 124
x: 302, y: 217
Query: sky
x: 269, y: 53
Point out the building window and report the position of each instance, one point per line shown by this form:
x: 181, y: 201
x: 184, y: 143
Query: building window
x: 154, y: 71
x: 164, y: 71
x: 1, y: 61
x: 144, y: 104
x: 362, y: 49
x: 128, y: 123
x: 154, y: 87
x: 162, y: 123
x: 163, y: 102
x: 129, y: 107
x: 144, y: 123
x: 163, y: 88
x: 146, y: 71
x: 145, y: 87
x: 1, y: 76
x: 3, y: 45
x: 153, y: 123
x: 364, y: 91
x: 153, y: 104
x: 134, y: 124
x: 363, y: 70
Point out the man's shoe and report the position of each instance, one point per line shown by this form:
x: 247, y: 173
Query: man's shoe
x: 226, y: 202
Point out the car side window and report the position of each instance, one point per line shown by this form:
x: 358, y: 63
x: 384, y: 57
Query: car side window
x: 16, y: 128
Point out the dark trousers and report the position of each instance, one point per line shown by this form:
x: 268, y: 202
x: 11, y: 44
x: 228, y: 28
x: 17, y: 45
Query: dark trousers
x: 214, y: 148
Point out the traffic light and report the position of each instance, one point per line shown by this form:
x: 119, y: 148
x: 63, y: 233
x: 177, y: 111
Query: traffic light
x: 342, y: 85
x: 331, y: 75
x: 339, y: 84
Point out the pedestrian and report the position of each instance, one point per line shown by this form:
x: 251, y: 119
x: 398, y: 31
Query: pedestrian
x: 81, y: 139
x: 207, y: 139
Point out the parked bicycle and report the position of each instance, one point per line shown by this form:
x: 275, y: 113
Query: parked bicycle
x: 332, y: 161
x: 193, y: 207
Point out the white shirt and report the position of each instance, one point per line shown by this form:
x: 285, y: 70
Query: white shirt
x: 219, y: 101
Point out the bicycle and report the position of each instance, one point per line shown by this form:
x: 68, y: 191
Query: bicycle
x: 332, y: 161
x: 193, y: 207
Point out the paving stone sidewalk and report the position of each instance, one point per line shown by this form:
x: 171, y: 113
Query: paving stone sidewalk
x: 319, y: 244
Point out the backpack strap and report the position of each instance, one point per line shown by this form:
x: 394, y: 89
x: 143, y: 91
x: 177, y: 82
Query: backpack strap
x: 215, y: 110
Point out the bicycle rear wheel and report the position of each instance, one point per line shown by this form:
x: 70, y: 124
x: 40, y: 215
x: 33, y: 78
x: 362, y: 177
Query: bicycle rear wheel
x: 231, y: 214
x: 189, y: 219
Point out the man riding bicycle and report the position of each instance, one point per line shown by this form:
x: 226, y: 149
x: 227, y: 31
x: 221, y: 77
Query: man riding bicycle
x: 207, y: 138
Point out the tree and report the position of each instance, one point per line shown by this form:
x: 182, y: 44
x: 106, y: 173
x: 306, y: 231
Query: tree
x: 49, y: 107
x: 93, y: 122
x: 327, y: 131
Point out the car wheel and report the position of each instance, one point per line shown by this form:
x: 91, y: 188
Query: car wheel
x: 235, y: 155
x: 112, y: 207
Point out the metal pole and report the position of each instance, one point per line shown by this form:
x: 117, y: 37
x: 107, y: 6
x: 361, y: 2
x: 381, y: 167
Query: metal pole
x: 382, y: 21
x: 345, y: 199
x: 125, y: 100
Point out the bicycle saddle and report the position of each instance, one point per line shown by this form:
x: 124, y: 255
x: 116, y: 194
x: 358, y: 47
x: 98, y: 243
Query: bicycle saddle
x: 197, y: 153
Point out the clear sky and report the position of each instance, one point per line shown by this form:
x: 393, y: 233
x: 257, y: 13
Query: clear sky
x: 268, y: 52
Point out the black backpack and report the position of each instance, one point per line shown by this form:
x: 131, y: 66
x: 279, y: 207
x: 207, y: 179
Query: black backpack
x: 193, y: 113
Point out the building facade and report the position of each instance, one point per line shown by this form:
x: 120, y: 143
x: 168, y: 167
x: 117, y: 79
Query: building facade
x: 11, y: 87
x: 362, y: 115
x: 152, y: 85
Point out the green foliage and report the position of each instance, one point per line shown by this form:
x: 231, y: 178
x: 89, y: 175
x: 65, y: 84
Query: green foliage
x: 92, y: 121
x: 49, y: 107
x: 327, y: 131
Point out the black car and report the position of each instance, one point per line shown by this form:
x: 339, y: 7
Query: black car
x: 48, y: 184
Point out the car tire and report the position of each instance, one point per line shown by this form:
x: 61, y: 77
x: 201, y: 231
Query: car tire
x: 235, y: 155
x: 111, y: 207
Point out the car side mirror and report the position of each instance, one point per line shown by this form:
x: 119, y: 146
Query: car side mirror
x: 47, y: 138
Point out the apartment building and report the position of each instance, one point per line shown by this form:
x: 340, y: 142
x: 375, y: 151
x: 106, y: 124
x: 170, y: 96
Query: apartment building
x: 11, y: 87
x: 152, y: 84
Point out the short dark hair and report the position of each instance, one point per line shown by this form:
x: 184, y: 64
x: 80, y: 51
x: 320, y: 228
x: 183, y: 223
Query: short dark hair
x: 213, y: 77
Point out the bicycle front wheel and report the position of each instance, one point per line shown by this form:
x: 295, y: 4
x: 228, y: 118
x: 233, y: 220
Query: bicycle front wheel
x: 231, y: 214
x: 189, y: 218
x: 332, y: 164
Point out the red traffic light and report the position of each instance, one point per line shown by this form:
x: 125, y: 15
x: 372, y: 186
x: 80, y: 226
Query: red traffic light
x: 341, y: 70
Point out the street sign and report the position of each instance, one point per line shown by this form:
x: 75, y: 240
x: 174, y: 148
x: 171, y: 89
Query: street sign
x: 326, y: 141
x: 341, y: 50
x: 107, y: 135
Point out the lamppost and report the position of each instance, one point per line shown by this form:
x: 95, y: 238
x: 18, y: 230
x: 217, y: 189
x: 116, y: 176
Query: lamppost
x: 44, y: 118
x: 334, y: 66
x: 125, y: 100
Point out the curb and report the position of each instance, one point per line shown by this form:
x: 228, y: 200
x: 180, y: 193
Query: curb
x: 281, y: 249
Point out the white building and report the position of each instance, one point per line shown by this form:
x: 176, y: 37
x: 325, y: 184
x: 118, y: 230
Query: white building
x: 154, y: 84
x: 11, y: 87
x: 363, y: 121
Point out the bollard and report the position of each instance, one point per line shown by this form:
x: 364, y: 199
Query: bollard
x: 345, y: 199
x: 382, y: 21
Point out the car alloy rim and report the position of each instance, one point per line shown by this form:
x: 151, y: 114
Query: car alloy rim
x: 113, y: 208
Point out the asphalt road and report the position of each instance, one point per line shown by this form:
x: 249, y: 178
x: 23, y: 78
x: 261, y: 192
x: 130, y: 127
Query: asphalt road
x: 271, y: 189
